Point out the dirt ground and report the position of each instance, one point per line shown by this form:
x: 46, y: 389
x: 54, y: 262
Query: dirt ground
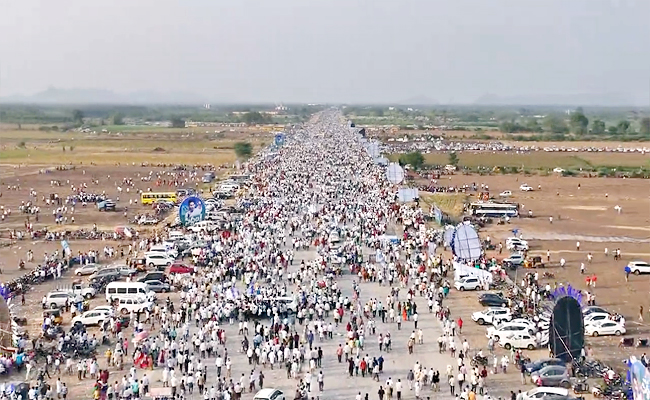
x: 582, y: 214
x: 586, y: 214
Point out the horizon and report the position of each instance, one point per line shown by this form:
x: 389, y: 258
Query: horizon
x: 333, y: 52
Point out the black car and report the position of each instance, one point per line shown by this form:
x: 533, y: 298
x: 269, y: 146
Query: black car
x: 106, y: 277
x: 492, y: 300
x: 154, y: 276
x: 544, y: 362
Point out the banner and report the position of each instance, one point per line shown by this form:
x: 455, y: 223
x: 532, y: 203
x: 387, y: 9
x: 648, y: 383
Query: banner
x: 191, y: 211
x: 639, y: 379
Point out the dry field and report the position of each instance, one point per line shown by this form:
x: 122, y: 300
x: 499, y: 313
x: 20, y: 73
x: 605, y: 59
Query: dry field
x: 582, y: 210
x: 165, y: 145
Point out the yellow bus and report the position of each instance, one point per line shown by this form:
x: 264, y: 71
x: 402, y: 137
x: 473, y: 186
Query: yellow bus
x: 152, y: 197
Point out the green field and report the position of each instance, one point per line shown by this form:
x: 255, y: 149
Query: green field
x: 544, y: 160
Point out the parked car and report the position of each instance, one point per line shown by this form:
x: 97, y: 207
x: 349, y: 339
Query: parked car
x: 269, y: 394
x: 492, y: 315
x: 125, y: 306
x: 87, y: 269
x: 605, y: 328
x: 515, y: 260
x: 593, y: 309
x: 58, y: 299
x: 545, y: 393
x: 105, y: 275
x: 492, y: 300
x: 106, y: 205
x: 120, y: 270
x: 516, y: 244
x: 505, y: 193
x: 159, y: 260
x: 157, y: 286
x: 87, y: 292
x: 508, y: 328
x: 92, y: 317
x: 468, y: 283
x: 180, y: 269
x: 639, y: 267
x: 552, y: 375
x: 595, y: 317
x: 518, y: 341
x: 526, y: 188
x: 535, y: 366
x: 154, y: 276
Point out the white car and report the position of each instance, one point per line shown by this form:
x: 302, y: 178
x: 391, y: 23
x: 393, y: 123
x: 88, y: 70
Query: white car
x: 492, y: 315
x: 106, y: 309
x: 93, y: 317
x: 269, y: 394
x: 136, y: 305
x: 508, y: 328
x: 639, y: 267
x: 545, y: 391
x: 505, y: 193
x: 516, y: 244
x: 87, y: 269
x: 605, y: 327
x: 519, y: 341
x: 468, y: 283
x: 595, y: 318
x: 526, y: 188
x: 159, y: 260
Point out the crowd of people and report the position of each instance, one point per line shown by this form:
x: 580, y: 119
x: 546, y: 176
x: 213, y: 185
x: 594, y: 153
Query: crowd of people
x: 316, y: 208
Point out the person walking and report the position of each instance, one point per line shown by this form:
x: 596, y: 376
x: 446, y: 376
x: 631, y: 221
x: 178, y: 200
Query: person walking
x: 452, y: 385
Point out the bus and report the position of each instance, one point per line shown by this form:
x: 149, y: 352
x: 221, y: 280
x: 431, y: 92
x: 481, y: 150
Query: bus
x: 152, y: 197
x: 494, y: 210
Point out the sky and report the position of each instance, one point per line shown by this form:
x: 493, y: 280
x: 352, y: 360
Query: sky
x: 334, y: 51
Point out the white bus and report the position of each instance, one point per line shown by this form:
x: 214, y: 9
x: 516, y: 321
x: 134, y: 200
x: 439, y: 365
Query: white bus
x: 494, y: 210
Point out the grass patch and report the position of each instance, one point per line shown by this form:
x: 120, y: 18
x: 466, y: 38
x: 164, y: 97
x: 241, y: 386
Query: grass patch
x: 451, y: 204
x: 543, y: 160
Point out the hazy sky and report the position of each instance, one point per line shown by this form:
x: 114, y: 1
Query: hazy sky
x: 328, y: 50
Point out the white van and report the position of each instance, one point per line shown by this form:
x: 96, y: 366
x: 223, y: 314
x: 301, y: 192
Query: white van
x: 128, y: 290
x: 125, y: 306
x: 176, y: 235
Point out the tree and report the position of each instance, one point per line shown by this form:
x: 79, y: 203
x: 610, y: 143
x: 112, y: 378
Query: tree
x: 118, y: 119
x: 579, y: 122
x: 78, y: 116
x: 623, y: 127
x: 555, y: 124
x: 645, y: 126
x: 598, y: 127
x: 178, y: 122
x: 453, y: 159
x: 254, y: 117
x: 533, y: 126
x: 416, y: 159
x: 243, y: 149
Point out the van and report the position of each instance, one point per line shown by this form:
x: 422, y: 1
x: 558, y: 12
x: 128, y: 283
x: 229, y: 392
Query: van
x: 128, y: 290
x: 175, y: 235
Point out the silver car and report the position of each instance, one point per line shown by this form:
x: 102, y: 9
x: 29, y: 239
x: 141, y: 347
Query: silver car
x: 552, y: 375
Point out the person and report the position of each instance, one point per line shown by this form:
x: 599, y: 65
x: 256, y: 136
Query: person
x: 381, y: 392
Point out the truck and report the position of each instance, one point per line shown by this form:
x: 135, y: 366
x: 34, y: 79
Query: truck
x: 78, y: 289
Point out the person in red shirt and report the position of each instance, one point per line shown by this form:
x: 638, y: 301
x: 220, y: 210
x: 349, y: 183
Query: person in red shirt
x: 460, y: 325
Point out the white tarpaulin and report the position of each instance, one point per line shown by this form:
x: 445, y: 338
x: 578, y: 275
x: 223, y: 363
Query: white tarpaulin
x: 407, y: 195
x: 462, y: 270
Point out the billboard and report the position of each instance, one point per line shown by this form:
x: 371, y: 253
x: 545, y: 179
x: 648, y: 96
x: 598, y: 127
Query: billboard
x: 639, y: 377
x: 279, y: 139
x: 191, y: 211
